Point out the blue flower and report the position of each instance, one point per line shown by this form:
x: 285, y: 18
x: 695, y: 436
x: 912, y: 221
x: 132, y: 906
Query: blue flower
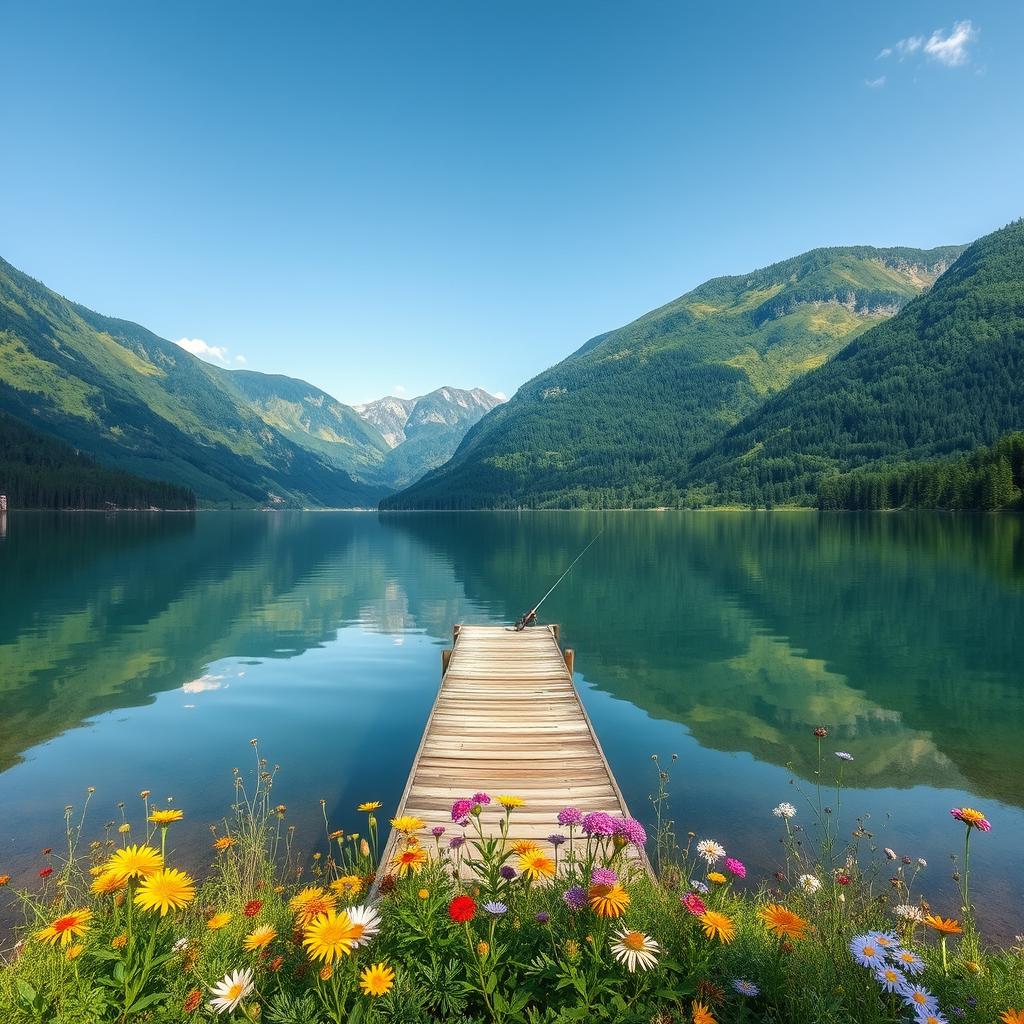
x: 907, y: 961
x: 745, y: 988
x: 866, y: 951
x: 919, y: 999
x: 496, y: 907
x: 698, y: 886
x: 889, y: 978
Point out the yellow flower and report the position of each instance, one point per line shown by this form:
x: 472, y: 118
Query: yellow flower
x: 135, y: 862
x: 326, y: 973
x: 311, y: 902
x: 510, y: 803
x: 408, y: 824
x: 75, y: 951
x: 782, y: 922
x: 409, y: 860
x: 119, y: 941
x: 718, y: 926
x: 482, y: 949
x: 336, y: 834
x: 370, y: 805
x: 168, y: 889
x: 218, y: 921
x: 329, y: 936
x: 521, y: 847
x: 107, y: 882
x: 943, y: 925
x: 702, y: 1014
x: 124, y: 828
x: 224, y: 843
x: 536, y: 864
x: 423, y: 894
x: 376, y: 980
x: 259, y: 938
x: 716, y: 877
x: 348, y: 885
x: 608, y: 900
x: 66, y: 929
x: 165, y: 817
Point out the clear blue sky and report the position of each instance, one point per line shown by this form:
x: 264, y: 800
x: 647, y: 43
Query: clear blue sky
x: 384, y: 195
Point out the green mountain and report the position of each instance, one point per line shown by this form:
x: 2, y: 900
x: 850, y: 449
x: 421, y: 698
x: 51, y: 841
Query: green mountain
x: 942, y: 378
x: 38, y: 471
x: 424, y: 433
x: 618, y: 422
x: 141, y: 404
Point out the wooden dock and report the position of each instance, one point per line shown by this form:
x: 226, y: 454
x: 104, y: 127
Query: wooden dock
x: 508, y: 719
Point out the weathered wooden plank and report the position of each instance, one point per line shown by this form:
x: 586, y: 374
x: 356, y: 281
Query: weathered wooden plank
x: 507, y: 719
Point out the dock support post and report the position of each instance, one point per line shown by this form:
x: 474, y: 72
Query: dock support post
x: 455, y: 633
x: 556, y: 630
x: 446, y: 657
x: 570, y: 659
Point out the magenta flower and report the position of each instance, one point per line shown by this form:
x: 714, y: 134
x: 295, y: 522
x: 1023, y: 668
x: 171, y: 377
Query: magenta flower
x: 455, y: 842
x: 598, y: 823
x: 461, y: 809
x: 972, y: 818
x: 693, y: 903
x: 569, y: 816
x: 735, y: 867
x: 603, y: 876
x: 482, y: 799
x: 631, y: 830
x: 437, y: 831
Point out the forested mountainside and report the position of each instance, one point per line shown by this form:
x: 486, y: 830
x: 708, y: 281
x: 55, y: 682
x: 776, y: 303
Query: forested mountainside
x: 142, y: 405
x: 943, y: 377
x: 987, y: 480
x: 619, y: 422
x: 40, y: 472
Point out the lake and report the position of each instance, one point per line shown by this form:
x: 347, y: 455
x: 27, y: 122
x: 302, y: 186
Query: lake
x: 144, y: 651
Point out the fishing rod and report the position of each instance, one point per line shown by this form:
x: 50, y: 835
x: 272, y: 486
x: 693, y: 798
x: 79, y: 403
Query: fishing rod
x: 531, y: 616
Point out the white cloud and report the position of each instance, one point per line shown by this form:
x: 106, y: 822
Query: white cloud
x: 875, y: 83
x: 501, y: 395
x: 211, y: 353
x: 399, y: 389
x: 950, y: 50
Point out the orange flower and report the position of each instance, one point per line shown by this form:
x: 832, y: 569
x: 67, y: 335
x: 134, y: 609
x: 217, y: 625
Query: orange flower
x: 781, y: 921
x: 943, y: 925
x: 66, y: 929
x: 409, y: 861
x: 311, y: 902
x: 224, y: 843
x: 536, y: 864
x: 702, y: 1014
x: 608, y: 900
x: 1012, y: 1017
x: 718, y: 926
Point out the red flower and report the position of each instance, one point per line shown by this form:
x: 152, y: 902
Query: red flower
x: 462, y: 909
x: 275, y: 964
x: 843, y: 879
x: 45, y: 872
x: 821, y: 732
x: 192, y: 1000
x: 252, y: 908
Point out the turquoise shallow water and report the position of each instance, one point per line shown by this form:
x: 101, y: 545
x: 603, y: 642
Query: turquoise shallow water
x: 145, y: 651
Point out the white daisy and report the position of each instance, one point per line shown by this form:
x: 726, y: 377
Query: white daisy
x: 710, y: 851
x: 909, y: 912
x: 230, y: 991
x: 785, y: 810
x: 810, y: 883
x: 634, y: 949
x: 365, y: 918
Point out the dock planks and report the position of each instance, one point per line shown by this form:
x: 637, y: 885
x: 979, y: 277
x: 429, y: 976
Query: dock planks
x: 508, y: 719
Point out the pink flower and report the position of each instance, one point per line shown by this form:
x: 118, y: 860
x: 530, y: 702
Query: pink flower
x: 972, y: 818
x: 735, y: 867
x: 461, y: 809
x: 693, y: 903
x: 569, y: 816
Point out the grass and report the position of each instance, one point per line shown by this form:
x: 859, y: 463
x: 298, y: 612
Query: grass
x: 463, y: 927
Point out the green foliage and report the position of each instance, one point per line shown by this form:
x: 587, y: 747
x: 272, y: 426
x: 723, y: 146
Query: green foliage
x: 988, y: 480
x: 37, y: 471
x: 617, y: 423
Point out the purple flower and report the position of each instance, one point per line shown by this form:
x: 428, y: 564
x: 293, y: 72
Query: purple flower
x: 575, y: 898
x: 508, y: 872
x: 631, y: 830
x: 569, y: 816
x: 437, y: 831
x: 603, y: 876
x: 543, y: 917
x: 598, y: 823
x: 496, y: 908
x: 481, y: 798
x: 556, y: 840
x: 455, y: 842
x: 735, y: 867
x: 698, y: 886
x: 461, y: 809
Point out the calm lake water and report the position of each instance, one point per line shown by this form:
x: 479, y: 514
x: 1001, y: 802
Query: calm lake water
x: 145, y: 651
